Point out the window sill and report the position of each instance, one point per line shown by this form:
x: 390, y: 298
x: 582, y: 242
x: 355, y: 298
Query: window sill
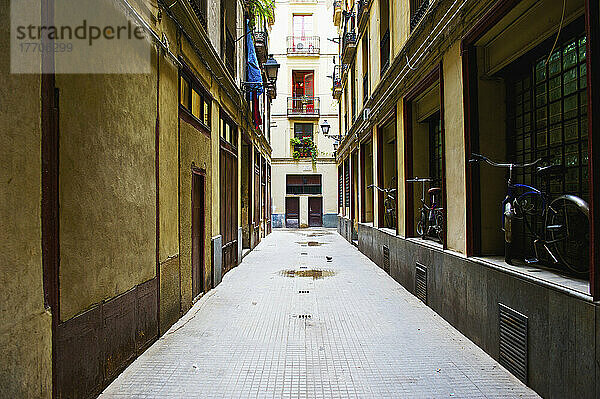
x: 552, y: 279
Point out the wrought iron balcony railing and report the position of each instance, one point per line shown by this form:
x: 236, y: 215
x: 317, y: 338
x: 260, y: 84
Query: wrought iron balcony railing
x: 348, y: 45
x: 303, y: 45
x: 337, y: 12
x: 337, y: 81
x: 303, y: 106
x: 261, y: 43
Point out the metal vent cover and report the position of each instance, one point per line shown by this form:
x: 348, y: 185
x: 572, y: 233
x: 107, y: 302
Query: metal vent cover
x: 386, y: 258
x: 513, y: 332
x: 421, y: 282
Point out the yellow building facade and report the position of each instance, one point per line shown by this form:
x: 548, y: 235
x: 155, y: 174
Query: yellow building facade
x: 423, y: 86
x: 304, y: 173
x: 127, y: 196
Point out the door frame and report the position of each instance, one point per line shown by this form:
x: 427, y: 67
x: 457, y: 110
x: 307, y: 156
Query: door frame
x: 199, y: 175
x: 320, y: 198
x: 297, y: 200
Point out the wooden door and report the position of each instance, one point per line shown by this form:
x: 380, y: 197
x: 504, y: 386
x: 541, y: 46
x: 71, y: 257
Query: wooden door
x: 315, y: 211
x: 228, y: 171
x: 257, y: 187
x: 197, y: 233
x: 292, y: 212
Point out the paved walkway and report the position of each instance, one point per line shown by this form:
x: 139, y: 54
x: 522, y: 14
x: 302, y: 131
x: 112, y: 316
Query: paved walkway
x: 287, y: 323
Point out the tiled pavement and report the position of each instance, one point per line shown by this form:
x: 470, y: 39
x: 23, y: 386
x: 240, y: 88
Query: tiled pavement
x: 366, y: 336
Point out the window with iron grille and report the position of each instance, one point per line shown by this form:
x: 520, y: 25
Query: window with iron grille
x: 365, y: 65
x: 353, y: 89
x: 435, y: 150
x: 385, y: 51
x: 340, y: 187
x: 347, y: 182
x: 230, y: 52
x: 199, y: 7
x: 417, y: 11
x: 547, y: 118
x: 303, y: 184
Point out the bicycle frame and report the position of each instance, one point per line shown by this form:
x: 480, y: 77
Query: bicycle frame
x: 510, y: 198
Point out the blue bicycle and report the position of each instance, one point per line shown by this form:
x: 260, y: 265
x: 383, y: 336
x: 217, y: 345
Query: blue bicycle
x: 564, y: 233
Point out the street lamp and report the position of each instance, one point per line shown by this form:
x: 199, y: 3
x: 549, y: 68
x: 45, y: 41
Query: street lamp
x: 272, y: 68
x: 325, y: 126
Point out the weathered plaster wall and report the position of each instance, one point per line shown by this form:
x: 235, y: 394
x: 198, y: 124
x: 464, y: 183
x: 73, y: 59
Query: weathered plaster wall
x: 107, y: 186
x: 399, y: 25
x: 168, y: 153
x: 25, y: 327
x: 170, y: 305
x: 194, y: 149
x: 455, y: 149
x: 401, y: 175
x: 328, y: 173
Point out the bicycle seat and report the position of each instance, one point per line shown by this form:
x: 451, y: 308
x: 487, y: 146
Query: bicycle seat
x: 434, y: 190
x: 551, y: 170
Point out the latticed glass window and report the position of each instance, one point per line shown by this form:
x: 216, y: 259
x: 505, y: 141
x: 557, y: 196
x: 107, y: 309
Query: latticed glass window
x: 340, y: 186
x: 347, y: 182
x: 547, y: 107
x: 435, y: 150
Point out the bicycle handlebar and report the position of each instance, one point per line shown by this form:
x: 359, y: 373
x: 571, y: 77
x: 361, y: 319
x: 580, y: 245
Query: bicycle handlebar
x: 479, y: 157
x: 422, y: 179
x: 385, y: 190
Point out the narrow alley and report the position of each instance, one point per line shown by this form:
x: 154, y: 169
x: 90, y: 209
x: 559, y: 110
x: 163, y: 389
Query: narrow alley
x: 290, y: 322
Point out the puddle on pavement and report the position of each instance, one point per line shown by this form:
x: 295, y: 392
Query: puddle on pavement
x: 314, y: 273
x: 319, y: 234
x: 310, y: 243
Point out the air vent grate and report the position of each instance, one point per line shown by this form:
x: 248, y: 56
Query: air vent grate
x: 421, y: 283
x: 386, y: 259
x: 513, y: 341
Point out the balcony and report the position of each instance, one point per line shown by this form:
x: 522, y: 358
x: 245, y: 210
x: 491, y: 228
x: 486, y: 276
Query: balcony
x: 307, y: 45
x: 261, y: 44
x: 337, y: 12
x: 303, y: 107
x: 337, y: 82
x: 348, y: 46
x: 304, y: 148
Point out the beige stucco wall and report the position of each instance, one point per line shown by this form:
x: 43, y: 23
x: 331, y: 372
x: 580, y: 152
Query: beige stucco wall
x: 282, y: 129
x: 327, y: 169
x: 25, y: 326
x: 455, y: 149
x: 107, y: 186
x: 401, y: 175
x: 168, y: 189
x: 194, y: 150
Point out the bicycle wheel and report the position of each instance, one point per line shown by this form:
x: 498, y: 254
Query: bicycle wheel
x: 527, y: 223
x: 568, y: 228
x: 422, y: 225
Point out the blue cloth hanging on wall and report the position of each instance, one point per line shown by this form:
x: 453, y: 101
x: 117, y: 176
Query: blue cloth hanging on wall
x: 255, y: 81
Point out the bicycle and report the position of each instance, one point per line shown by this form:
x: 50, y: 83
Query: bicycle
x: 565, y: 231
x: 431, y: 222
x: 389, y: 205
